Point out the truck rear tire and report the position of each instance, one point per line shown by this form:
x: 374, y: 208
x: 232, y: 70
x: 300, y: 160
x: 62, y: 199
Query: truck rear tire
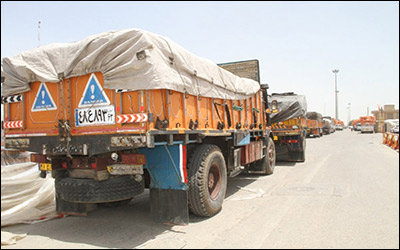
x: 300, y: 156
x: 92, y: 191
x: 266, y: 165
x: 270, y: 157
x: 207, y: 180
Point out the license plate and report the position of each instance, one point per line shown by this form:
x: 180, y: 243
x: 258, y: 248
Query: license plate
x: 97, y: 115
x: 275, y: 138
x: 45, y: 166
x: 121, y: 169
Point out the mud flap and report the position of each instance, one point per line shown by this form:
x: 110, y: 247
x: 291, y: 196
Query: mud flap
x: 72, y: 208
x: 169, y: 206
x: 168, y: 186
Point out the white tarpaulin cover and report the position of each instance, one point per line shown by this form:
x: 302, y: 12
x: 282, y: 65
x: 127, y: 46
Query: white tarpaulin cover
x: 26, y: 197
x: 162, y: 65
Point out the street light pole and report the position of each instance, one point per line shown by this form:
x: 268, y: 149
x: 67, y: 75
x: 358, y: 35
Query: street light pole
x: 335, y: 71
x: 38, y: 34
x: 348, y: 115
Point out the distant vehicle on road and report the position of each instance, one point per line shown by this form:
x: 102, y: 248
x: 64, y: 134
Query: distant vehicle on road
x: 367, y: 128
x: 395, y: 129
x: 368, y: 124
x: 358, y: 127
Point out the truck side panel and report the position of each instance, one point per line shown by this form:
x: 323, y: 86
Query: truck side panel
x: 174, y: 110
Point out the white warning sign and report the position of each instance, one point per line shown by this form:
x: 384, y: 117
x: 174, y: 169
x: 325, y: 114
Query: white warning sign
x: 93, y: 94
x: 43, y: 100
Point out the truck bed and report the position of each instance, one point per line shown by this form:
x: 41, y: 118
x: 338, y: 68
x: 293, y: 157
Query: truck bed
x: 93, y: 118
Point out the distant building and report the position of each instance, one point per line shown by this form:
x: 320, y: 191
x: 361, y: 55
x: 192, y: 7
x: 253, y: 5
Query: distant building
x: 388, y: 112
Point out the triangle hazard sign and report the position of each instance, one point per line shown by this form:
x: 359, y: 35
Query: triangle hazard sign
x: 43, y: 100
x: 93, y: 94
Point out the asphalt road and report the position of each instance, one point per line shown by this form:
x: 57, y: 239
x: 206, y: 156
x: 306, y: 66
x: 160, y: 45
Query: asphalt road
x: 345, y: 195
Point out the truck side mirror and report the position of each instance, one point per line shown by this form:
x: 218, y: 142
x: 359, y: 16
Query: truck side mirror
x: 274, y: 106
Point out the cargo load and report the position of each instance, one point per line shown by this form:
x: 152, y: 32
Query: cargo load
x: 290, y: 106
x: 158, y: 63
x: 314, y: 116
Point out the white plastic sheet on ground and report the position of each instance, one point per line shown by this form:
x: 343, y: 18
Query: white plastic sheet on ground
x: 25, y: 196
x: 10, y: 238
x: 9, y: 156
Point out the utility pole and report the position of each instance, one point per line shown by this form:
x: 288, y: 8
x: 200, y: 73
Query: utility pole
x: 348, y: 115
x: 335, y: 71
x: 38, y: 34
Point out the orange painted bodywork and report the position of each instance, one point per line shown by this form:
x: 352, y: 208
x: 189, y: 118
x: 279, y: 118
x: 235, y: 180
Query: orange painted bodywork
x: 287, y: 126
x: 371, y: 120
x: 177, y: 107
x: 314, y: 126
x: 337, y: 122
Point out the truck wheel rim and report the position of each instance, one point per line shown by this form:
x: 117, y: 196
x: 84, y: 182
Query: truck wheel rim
x: 214, y: 182
x: 271, y: 155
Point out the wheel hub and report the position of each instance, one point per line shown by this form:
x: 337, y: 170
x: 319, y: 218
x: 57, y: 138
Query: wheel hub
x: 214, y: 182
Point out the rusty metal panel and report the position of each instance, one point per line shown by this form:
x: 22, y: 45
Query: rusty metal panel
x: 257, y: 150
x: 138, y: 159
x: 247, y: 69
x: 251, y: 152
x: 80, y: 163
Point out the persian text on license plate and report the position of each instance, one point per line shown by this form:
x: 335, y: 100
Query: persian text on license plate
x: 97, y: 115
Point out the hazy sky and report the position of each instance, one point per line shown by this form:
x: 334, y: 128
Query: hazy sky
x: 298, y: 44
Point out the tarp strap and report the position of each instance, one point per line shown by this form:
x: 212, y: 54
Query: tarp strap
x: 216, y: 109
x: 228, y: 114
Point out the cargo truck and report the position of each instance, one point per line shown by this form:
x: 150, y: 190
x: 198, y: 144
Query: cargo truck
x: 367, y: 124
x: 288, y: 123
x: 126, y: 110
x: 314, y: 124
x: 338, y: 124
x: 327, y: 125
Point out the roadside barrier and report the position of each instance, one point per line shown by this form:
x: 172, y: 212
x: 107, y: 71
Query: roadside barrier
x: 391, y: 140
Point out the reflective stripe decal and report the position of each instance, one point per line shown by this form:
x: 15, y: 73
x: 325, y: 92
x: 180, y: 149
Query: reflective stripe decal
x: 13, y: 124
x: 130, y: 118
x: 182, y: 162
x: 11, y: 99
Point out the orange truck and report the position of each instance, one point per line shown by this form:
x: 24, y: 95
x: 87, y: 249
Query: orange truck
x: 288, y: 123
x: 338, y: 124
x: 126, y: 110
x: 314, y: 124
x: 368, y: 124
